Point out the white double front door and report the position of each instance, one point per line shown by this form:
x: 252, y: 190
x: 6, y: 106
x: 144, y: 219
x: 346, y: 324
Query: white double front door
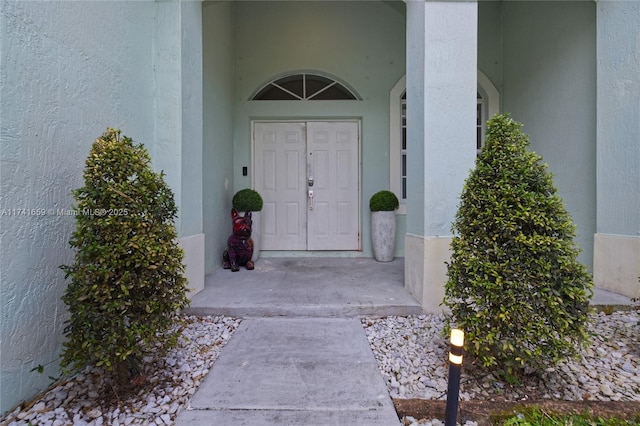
x: 308, y: 176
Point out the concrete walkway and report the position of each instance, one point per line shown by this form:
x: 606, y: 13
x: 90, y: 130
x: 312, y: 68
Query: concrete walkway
x: 300, y: 356
x: 294, y: 371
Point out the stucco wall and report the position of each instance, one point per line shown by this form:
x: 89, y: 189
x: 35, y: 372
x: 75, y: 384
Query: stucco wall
x: 66, y: 75
x: 617, y: 243
x: 441, y: 148
x: 416, y: 116
x: 191, y: 207
x: 189, y: 23
x: 176, y: 102
x: 490, y: 42
x: 177, y: 106
x: 360, y: 42
x: 166, y: 152
x: 619, y: 118
x: 549, y: 85
x: 218, y: 98
x: 68, y: 71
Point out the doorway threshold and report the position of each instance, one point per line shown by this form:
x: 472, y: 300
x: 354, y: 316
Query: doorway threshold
x: 313, y: 253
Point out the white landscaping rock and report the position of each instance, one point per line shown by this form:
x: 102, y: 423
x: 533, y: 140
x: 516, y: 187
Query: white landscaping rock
x: 411, y: 355
x: 412, y: 352
x: 170, y: 383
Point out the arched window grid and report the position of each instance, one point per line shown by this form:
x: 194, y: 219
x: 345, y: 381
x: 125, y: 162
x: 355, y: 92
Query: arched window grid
x: 304, y: 86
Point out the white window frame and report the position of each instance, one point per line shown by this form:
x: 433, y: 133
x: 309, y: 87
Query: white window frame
x: 491, y: 106
x: 395, y: 142
x: 490, y: 101
x: 481, y: 123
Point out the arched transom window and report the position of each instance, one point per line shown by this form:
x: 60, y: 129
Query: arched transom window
x: 304, y: 86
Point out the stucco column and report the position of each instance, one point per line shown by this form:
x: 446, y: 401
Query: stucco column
x: 178, y: 122
x: 191, y: 206
x: 441, y: 135
x: 616, y: 257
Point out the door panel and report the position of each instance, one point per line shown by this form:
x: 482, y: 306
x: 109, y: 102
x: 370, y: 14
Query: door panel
x: 332, y: 152
x: 286, y: 156
x: 280, y: 150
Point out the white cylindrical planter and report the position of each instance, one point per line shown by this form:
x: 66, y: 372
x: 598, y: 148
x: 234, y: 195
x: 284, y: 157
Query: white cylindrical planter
x: 383, y: 235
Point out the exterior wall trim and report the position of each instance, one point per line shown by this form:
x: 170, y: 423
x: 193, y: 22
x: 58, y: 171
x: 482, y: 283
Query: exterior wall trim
x: 493, y: 96
x: 616, y: 263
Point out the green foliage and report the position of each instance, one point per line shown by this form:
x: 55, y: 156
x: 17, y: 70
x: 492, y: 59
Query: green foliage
x: 127, y: 278
x: 514, y: 283
x: 537, y: 416
x: 247, y: 200
x: 383, y: 201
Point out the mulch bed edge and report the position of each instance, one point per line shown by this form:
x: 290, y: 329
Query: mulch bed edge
x: 483, y: 412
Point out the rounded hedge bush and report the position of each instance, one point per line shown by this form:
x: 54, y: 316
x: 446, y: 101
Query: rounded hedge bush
x: 127, y: 279
x: 514, y: 283
x: 383, y: 201
x: 247, y: 200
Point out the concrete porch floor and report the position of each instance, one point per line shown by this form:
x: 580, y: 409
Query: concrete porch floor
x: 307, y: 287
x: 321, y: 287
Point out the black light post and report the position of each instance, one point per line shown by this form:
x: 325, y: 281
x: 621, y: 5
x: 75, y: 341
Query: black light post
x: 455, y: 368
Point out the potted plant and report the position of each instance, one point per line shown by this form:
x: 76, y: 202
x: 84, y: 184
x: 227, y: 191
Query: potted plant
x: 249, y: 200
x: 383, y: 224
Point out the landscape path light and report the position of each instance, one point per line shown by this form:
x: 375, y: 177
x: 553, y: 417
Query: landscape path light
x: 455, y: 368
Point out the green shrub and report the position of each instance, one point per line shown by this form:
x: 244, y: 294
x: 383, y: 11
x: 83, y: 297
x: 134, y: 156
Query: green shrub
x: 127, y: 279
x: 514, y: 283
x: 383, y: 201
x: 247, y: 200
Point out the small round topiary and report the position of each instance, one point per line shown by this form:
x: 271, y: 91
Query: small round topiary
x: 247, y: 200
x: 383, y: 201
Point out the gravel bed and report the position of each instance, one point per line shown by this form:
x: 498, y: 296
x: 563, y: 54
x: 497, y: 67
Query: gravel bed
x: 171, y: 380
x: 412, y: 356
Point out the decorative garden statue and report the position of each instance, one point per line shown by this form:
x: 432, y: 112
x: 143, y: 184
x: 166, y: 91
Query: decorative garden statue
x: 239, y: 245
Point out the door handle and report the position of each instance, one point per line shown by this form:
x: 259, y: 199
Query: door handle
x: 310, y: 199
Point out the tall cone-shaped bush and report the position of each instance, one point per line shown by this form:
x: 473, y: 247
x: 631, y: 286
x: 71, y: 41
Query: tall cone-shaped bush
x: 127, y: 280
x: 514, y: 283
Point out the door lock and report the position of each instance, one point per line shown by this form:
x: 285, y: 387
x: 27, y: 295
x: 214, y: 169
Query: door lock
x: 310, y: 181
